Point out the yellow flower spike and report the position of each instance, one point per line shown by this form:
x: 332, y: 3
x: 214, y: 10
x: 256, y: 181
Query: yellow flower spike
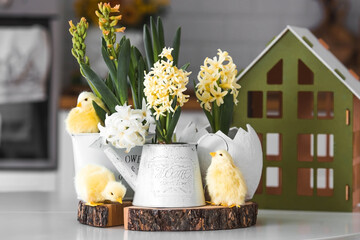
x: 113, y: 23
x: 225, y: 85
x: 116, y: 17
x: 108, y: 23
x: 78, y: 34
x: 163, y: 83
x: 122, y: 29
x: 71, y: 24
x: 115, y: 8
x: 216, y: 78
x: 166, y: 52
x: 217, y: 96
x: 98, y: 14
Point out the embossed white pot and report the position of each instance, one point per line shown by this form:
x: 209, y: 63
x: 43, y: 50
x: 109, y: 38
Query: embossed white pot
x: 169, y: 176
x: 85, y: 153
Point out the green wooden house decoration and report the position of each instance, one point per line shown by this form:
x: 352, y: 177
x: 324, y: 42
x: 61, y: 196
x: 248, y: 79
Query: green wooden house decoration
x: 305, y: 106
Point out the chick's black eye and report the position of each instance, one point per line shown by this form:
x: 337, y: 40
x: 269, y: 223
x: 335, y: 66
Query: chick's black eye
x: 220, y: 154
x: 86, y: 99
x: 111, y: 193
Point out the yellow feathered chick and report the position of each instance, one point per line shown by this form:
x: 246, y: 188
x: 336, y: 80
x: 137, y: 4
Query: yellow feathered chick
x: 94, y: 184
x: 225, y: 182
x: 83, y: 118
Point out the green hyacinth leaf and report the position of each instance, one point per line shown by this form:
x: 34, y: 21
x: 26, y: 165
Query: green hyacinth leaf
x: 109, y: 83
x: 155, y: 40
x: 122, y: 71
x: 176, y: 46
x: 160, y: 29
x: 110, y: 64
x: 140, y: 75
x: 99, y: 111
x: 99, y: 87
x: 148, y: 48
x: 173, y: 123
x: 122, y: 40
x: 185, y: 66
x: 226, y: 112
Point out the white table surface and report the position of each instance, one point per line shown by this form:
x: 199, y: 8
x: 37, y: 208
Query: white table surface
x: 49, y: 216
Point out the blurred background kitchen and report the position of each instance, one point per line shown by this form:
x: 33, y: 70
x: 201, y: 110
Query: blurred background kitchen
x: 40, y: 80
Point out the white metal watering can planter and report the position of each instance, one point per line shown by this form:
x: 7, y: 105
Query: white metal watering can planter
x: 244, y: 147
x: 169, y: 175
x: 85, y: 153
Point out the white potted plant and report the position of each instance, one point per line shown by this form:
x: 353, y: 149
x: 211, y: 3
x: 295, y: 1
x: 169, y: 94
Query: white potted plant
x: 125, y: 63
x: 217, y: 92
x: 169, y: 173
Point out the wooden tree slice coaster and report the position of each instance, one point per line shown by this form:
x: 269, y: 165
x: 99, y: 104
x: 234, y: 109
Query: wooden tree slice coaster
x: 106, y: 215
x: 190, y: 219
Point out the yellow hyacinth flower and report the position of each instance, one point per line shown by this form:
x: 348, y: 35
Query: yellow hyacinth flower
x: 166, y: 52
x: 217, y: 78
x: 217, y: 96
x: 163, y: 82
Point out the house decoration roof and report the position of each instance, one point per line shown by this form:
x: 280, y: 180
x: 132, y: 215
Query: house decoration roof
x: 320, y: 51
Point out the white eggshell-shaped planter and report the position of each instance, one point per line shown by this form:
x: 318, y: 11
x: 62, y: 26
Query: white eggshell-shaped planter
x: 244, y: 147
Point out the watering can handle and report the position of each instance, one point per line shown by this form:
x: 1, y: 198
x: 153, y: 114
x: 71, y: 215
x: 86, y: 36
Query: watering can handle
x: 213, y: 135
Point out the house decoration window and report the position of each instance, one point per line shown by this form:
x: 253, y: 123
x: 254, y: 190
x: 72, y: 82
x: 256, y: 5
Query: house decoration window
x: 305, y: 75
x: 255, y: 104
x: 273, y: 146
x: 305, y: 147
x: 305, y: 181
x: 325, y: 105
x: 325, y: 182
x: 324, y: 150
x: 325, y: 147
x: 274, y: 104
x: 275, y: 75
x: 273, y: 180
x: 305, y: 105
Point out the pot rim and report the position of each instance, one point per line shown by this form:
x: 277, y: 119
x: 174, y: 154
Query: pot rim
x: 170, y: 145
x: 83, y: 134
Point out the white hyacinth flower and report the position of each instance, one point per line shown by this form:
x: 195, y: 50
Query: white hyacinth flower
x: 126, y: 128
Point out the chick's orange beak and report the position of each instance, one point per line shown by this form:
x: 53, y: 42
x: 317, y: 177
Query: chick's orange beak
x: 213, y: 154
x: 119, y: 200
x: 79, y: 104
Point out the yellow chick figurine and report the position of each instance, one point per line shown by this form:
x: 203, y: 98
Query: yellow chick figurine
x: 83, y: 118
x: 225, y: 182
x: 94, y: 184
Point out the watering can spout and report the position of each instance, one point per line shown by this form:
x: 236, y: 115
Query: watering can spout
x: 118, y: 158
